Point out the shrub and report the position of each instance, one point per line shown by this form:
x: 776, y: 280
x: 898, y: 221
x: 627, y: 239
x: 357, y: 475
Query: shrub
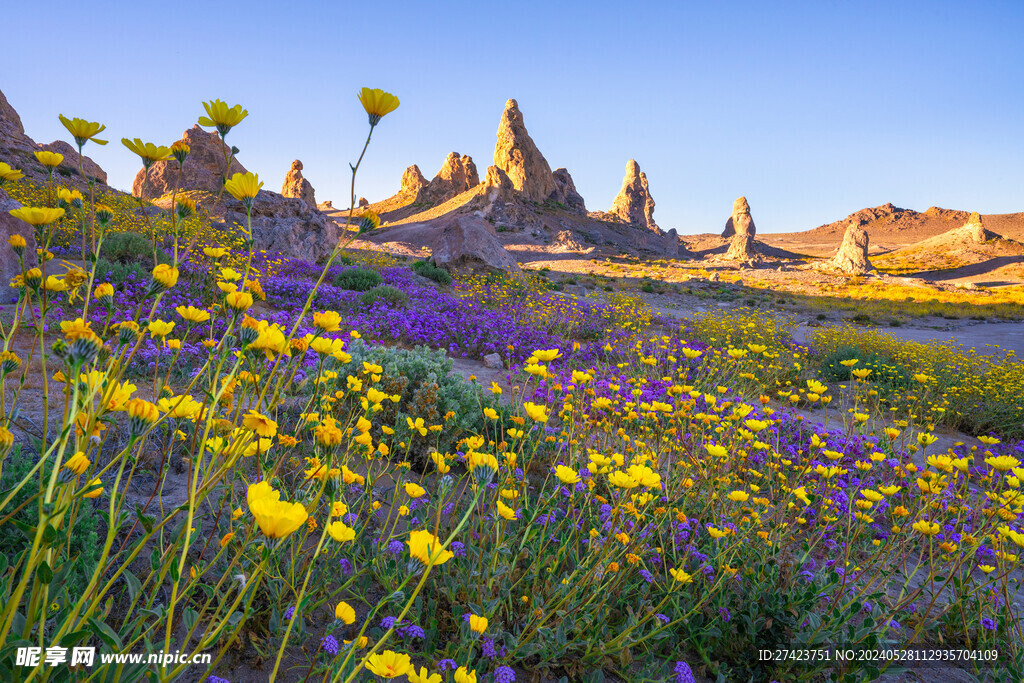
x: 430, y: 271
x: 118, y: 272
x: 392, y: 296
x: 127, y: 247
x: 423, y: 379
x: 357, y: 279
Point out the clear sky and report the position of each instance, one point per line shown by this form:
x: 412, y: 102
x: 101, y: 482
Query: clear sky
x: 812, y: 110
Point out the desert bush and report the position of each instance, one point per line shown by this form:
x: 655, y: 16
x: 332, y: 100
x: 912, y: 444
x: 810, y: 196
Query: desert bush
x: 432, y: 272
x: 392, y: 296
x: 357, y: 279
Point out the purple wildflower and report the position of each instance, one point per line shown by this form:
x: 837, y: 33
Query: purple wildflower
x: 683, y: 673
x: 330, y: 644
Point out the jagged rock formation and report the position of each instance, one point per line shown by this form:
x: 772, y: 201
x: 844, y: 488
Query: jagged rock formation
x: 9, y: 267
x: 16, y: 149
x: 457, y: 174
x: 285, y: 225
x: 470, y: 242
x: 517, y: 155
x: 567, y: 190
x: 89, y: 167
x: 974, y: 230
x: 296, y: 186
x: 740, y: 220
x: 852, y: 257
x: 412, y: 180
x: 634, y: 203
x: 203, y: 169
x: 500, y: 203
x: 497, y: 185
x: 12, y: 132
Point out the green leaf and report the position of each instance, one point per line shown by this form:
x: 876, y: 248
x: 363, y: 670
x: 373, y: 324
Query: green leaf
x: 105, y: 633
x: 134, y: 585
x: 45, y: 573
x: 145, y: 520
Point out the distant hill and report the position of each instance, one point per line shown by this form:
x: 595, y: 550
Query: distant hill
x: 890, y: 224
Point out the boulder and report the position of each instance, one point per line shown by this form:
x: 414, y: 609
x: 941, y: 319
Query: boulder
x: 12, y: 132
x: 567, y: 190
x: 457, y: 174
x: 363, y: 202
x: 494, y: 361
x: 285, y: 225
x: 740, y: 221
x: 468, y: 241
x: 517, y: 155
x: 412, y: 180
x: 634, y: 203
x: 296, y: 186
x: 203, y: 170
x: 89, y: 167
x: 852, y: 257
x: 9, y: 267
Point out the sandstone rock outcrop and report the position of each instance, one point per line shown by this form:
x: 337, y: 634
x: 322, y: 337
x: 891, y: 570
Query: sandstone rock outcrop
x: 852, y: 257
x: 285, y: 225
x: 567, y: 191
x: 740, y: 221
x: 9, y: 267
x: 296, y: 186
x: 203, y: 169
x: 634, y: 203
x: 412, y: 180
x: 89, y: 167
x: 469, y: 242
x: 517, y: 155
x: 457, y: 174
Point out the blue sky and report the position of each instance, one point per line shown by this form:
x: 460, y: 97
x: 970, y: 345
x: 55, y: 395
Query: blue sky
x: 812, y: 110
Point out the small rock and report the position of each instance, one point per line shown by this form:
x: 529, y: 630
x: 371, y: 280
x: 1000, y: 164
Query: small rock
x: 493, y: 360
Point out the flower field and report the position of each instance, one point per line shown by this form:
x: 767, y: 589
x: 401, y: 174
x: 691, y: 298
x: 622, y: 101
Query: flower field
x: 268, y: 460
